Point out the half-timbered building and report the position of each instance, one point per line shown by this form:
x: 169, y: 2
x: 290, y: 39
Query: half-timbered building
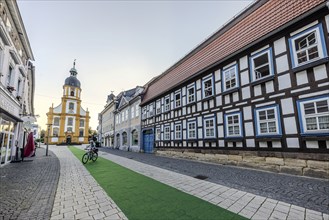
x: 255, y: 93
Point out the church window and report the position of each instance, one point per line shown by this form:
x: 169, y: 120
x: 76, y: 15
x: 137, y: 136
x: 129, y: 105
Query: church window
x: 72, y: 92
x: 55, y: 132
x: 82, y: 123
x: 70, y: 122
x: 135, y: 137
x: 124, y: 138
x: 71, y: 106
x: 56, y: 121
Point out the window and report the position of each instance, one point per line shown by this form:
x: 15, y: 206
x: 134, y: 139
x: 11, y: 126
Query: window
x: 72, y: 92
x: 56, y: 121
x: 134, y: 137
x: 314, y: 115
x: 167, y: 133
x: 307, y: 46
x: 126, y: 115
x: 158, y: 107
x: 81, y: 132
x: 191, y: 130
x: 207, y: 87
x: 144, y: 112
x: 122, y: 116
x: 167, y: 103
x: 71, y: 106
x: 261, y: 65
x: 70, y: 121
x: 157, y: 134
x: 151, y: 110
x: 233, y: 126
x: 267, y: 121
x: 117, y: 118
x: 178, y: 131
x: 177, y: 99
x: 124, y: 138
x: 82, y: 123
x: 190, y: 94
x: 209, y: 128
x: 230, y: 79
x: 132, y: 111
x: 55, y: 132
x: 137, y: 110
x: 19, y: 87
x: 69, y: 129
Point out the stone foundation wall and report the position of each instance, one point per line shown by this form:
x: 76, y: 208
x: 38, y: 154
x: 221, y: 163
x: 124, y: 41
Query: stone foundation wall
x: 304, y: 164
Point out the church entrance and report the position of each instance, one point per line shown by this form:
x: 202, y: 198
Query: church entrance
x: 68, y: 139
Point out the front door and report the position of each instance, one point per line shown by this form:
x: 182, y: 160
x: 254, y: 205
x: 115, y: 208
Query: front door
x: 68, y: 139
x: 148, y: 141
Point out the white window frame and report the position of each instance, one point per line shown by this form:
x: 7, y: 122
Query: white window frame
x: 158, y: 134
x: 178, y: 131
x: 166, y: 132
x: 204, y: 88
x: 190, y: 98
x: 167, y: 105
x: 191, y: 130
x: 233, y: 125
x: 228, y: 71
x: 178, y: 102
x: 320, y: 44
x: 206, y: 127
x: 278, y: 131
x: 303, y: 117
x: 158, y: 107
x: 269, y: 53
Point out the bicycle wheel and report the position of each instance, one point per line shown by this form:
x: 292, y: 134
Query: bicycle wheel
x: 94, y: 157
x: 85, y: 158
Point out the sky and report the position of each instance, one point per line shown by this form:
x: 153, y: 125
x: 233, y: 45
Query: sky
x: 118, y: 45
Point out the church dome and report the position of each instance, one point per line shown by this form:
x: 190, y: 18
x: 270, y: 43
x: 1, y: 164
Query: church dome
x: 72, y: 80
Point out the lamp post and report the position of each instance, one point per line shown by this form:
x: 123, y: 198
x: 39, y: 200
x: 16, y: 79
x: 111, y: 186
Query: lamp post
x: 48, y: 138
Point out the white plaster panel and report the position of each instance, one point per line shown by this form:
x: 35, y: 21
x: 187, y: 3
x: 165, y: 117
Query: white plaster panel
x: 243, y: 62
x: 239, y: 144
x: 287, y: 106
x: 199, y: 106
x: 230, y: 144
x: 221, y: 143
x: 193, y: 109
x: 211, y: 103
x: 320, y: 72
x: 183, y: 101
x: 301, y: 77
x: 218, y: 100
x: 198, y: 84
x: 198, y: 95
x: 247, y: 114
x: 54, y: 139
x: 245, y: 92
x: 312, y: 144
x: 280, y: 46
x: 184, y: 111
x: 218, y: 88
x: 327, y: 143
x: 227, y: 99
x: 244, y: 77
x: 217, y: 75
x: 249, y: 129
x: 200, y: 121
x: 276, y: 144
x: 263, y: 144
x: 200, y: 135
x: 205, y: 105
x: 327, y: 24
x: 290, y: 125
x: 284, y: 81
x: 250, y: 142
x: 184, y: 124
x: 269, y: 86
x: 235, y: 97
x: 258, y: 90
x: 183, y: 91
x: 219, y: 117
x: 220, y: 131
x: 292, y: 143
x: 282, y: 64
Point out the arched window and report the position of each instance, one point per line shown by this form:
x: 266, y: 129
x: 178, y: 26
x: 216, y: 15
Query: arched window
x: 81, y: 131
x: 72, y: 92
x: 118, y: 140
x: 124, y: 138
x: 55, y: 132
x: 134, y: 137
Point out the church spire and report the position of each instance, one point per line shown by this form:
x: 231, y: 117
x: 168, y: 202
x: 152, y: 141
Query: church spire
x: 73, y: 71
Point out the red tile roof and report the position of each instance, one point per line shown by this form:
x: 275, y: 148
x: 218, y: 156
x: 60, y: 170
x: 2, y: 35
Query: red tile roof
x: 263, y: 19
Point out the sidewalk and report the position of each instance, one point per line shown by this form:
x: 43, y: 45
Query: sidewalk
x: 28, y: 188
x: 78, y: 195
x: 245, y: 204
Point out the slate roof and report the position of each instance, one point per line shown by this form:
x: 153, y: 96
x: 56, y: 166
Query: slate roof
x: 254, y: 23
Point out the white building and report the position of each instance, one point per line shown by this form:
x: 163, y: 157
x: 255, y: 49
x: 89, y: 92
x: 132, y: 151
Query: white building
x: 16, y: 82
x: 106, y: 122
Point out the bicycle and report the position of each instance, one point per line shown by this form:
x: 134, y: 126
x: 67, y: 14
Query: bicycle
x: 91, y: 154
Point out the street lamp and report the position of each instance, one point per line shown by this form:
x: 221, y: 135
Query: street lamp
x: 48, y: 138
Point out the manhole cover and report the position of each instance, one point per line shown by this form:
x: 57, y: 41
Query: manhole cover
x: 201, y: 177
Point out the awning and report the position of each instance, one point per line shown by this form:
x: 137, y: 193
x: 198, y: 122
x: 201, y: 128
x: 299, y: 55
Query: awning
x: 10, y: 117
